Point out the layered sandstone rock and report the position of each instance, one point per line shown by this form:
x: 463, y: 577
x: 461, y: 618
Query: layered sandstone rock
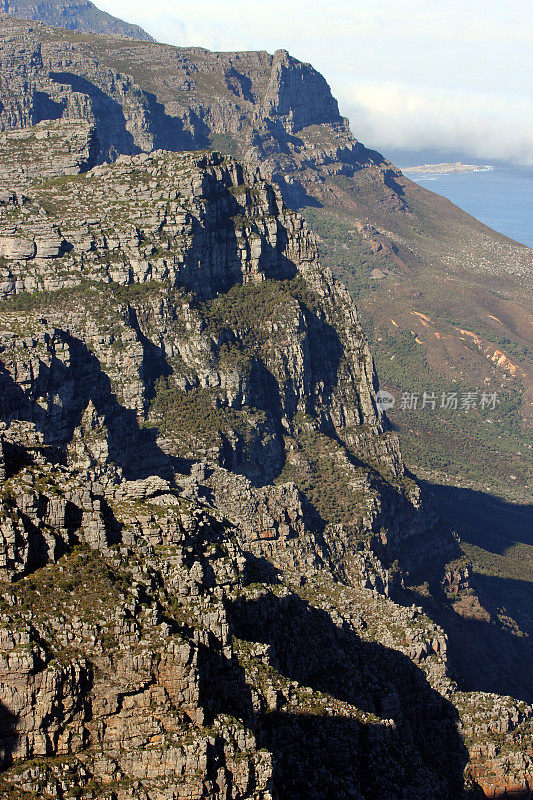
x: 203, y: 512
x: 270, y: 109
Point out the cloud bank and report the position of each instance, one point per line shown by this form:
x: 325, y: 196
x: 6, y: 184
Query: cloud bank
x: 481, y: 125
x: 410, y: 74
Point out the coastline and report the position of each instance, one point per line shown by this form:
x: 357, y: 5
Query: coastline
x: 447, y: 168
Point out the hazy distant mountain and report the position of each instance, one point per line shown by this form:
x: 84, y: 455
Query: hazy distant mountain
x: 80, y: 16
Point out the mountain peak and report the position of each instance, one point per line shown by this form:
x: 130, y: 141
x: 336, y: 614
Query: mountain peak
x: 79, y: 15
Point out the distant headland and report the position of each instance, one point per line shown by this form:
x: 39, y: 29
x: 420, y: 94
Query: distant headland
x: 457, y: 166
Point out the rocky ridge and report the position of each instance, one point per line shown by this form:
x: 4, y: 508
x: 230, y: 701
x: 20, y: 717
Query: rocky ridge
x: 204, y: 515
x: 80, y: 15
x: 282, y: 357
x: 271, y: 110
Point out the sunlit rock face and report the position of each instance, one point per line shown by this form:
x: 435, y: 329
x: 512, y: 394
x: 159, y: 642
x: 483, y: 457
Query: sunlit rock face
x: 205, y: 520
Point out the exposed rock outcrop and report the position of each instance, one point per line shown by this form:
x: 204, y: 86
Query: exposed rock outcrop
x: 270, y: 109
x: 204, y: 514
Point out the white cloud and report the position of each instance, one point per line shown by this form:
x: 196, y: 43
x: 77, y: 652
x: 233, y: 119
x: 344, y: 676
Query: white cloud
x: 484, y: 125
x: 453, y: 74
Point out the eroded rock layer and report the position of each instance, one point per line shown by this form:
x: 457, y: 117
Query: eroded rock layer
x: 204, y: 517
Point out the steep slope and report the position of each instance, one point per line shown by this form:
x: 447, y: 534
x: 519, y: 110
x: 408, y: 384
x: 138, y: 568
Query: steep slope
x: 268, y: 348
x: 180, y: 619
x: 445, y: 300
x: 76, y: 16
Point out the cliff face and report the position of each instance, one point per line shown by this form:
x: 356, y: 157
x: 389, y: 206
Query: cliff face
x: 203, y: 512
x: 271, y: 109
x: 205, y: 517
x: 269, y: 350
x: 78, y: 16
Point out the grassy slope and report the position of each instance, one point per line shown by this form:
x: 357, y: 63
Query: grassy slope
x: 449, y: 278
x: 443, y: 320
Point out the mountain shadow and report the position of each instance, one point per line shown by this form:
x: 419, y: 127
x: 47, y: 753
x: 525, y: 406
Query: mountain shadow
x: 326, y: 754
x: 489, y: 626
x: 113, y: 134
x: 171, y: 133
x: 8, y: 736
x: 484, y: 655
x: 483, y: 519
x: 84, y: 381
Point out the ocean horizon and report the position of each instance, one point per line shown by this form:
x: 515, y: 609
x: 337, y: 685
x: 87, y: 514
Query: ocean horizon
x: 500, y: 196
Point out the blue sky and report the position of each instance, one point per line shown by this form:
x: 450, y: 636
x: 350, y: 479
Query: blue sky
x: 410, y: 74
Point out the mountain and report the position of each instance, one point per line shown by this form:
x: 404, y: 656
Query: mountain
x: 219, y: 579
x: 78, y: 16
x: 205, y: 516
x: 445, y: 300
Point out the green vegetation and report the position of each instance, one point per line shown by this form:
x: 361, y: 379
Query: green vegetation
x: 343, y: 248
x: 101, y: 298
x: 324, y: 481
x: 38, y: 301
x: 516, y: 563
x: 224, y: 143
x: 197, y: 415
x: 482, y: 446
x: 80, y: 584
x: 246, y: 309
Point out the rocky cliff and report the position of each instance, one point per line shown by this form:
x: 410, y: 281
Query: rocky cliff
x: 272, y: 110
x: 235, y: 327
x: 440, y: 293
x: 205, y: 517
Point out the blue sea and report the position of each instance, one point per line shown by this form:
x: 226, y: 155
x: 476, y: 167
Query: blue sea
x: 501, y: 197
